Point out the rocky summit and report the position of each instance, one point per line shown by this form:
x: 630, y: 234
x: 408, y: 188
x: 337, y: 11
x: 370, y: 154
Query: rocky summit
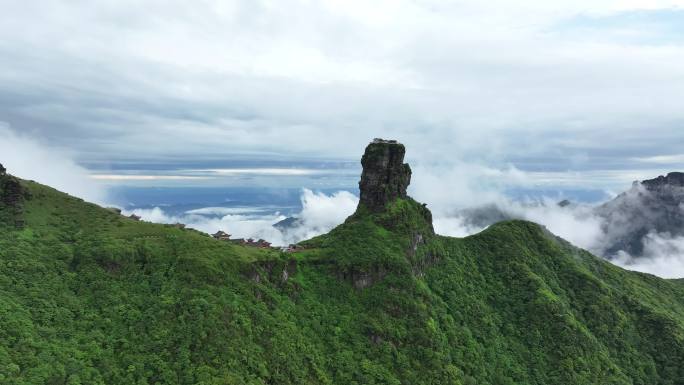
x: 385, y: 176
x: 650, y: 206
x: 673, y: 179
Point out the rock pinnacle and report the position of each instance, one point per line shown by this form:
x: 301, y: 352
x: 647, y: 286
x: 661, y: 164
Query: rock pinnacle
x: 385, y: 176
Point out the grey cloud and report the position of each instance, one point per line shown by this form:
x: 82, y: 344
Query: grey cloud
x: 170, y: 81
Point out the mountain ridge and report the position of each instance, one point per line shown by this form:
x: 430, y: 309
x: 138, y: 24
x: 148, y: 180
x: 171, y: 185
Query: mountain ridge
x: 650, y: 206
x: 89, y: 296
x: 651, y: 209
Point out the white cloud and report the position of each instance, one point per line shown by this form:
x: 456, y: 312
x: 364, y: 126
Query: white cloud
x: 454, y: 226
x: 137, y: 177
x: 238, y: 225
x: 460, y: 184
x: 663, y: 159
x: 27, y: 158
x: 469, y: 79
x: 448, y: 190
x: 457, y: 192
x: 223, y: 210
x: 663, y: 256
x: 263, y: 171
x: 577, y: 223
x: 320, y: 213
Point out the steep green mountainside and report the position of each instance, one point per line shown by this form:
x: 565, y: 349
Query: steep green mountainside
x: 90, y: 297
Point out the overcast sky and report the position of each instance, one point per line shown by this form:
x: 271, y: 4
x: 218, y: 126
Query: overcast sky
x: 577, y: 93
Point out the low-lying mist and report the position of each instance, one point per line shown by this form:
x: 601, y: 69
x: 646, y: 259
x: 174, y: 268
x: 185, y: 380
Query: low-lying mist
x: 30, y: 159
x: 482, y: 203
x: 662, y: 255
x: 578, y: 223
x: 319, y: 214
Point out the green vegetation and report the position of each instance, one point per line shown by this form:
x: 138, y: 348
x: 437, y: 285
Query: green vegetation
x: 90, y: 297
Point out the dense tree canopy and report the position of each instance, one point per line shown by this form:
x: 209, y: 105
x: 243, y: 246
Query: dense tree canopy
x: 90, y: 297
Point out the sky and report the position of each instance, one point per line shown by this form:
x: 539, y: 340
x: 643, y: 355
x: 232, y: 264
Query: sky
x: 573, y: 93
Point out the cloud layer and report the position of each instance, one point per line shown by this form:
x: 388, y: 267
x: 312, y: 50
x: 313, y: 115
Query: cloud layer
x: 29, y: 159
x: 663, y: 256
x: 319, y: 214
x: 573, y: 85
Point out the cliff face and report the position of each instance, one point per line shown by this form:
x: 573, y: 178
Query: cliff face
x: 385, y: 176
x: 655, y: 205
x: 673, y: 179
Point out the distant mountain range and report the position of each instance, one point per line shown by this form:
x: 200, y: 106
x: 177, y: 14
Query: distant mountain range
x: 649, y: 207
x: 655, y: 205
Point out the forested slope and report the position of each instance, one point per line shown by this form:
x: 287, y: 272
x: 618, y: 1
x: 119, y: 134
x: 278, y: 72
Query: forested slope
x: 90, y: 297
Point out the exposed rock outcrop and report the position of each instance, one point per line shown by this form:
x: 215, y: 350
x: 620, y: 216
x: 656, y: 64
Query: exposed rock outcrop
x: 272, y: 271
x: 671, y: 180
x: 385, y: 176
x: 362, y: 279
x: 651, y: 206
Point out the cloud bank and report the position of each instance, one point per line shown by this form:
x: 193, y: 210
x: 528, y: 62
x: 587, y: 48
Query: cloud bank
x: 320, y: 213
x: 29, y: 159
x: 663, y: 256
x: 547, y: 87
x: 578, y: 223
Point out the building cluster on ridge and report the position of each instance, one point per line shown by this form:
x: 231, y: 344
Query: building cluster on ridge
x: 260, y: 243
x: 219, y: 235
x: 250, y: 242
